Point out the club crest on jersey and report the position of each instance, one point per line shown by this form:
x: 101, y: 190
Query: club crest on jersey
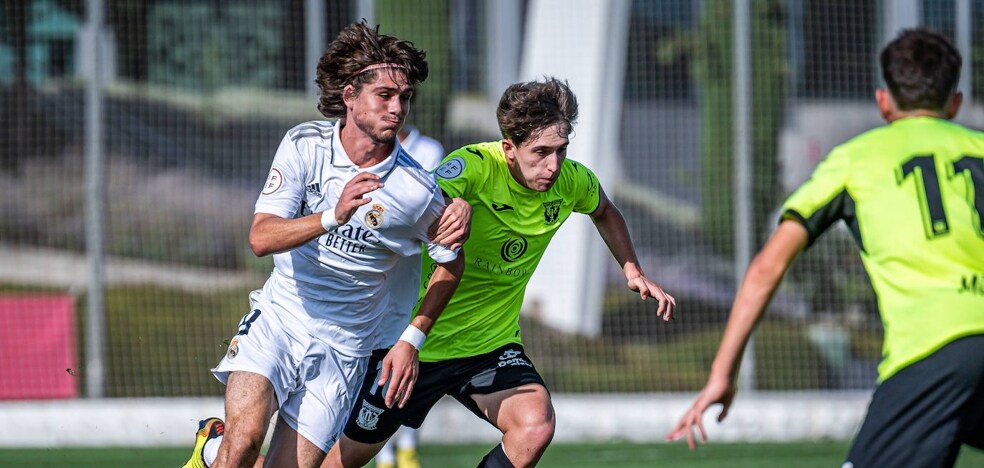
x: 274, y: 181
x: 368, y: 416
x: 374, y: 218
x: 451, y: 169
x: 551, y: 211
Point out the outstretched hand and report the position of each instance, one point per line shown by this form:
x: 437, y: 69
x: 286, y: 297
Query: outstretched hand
x: 400, y: 369
x: 648, y: 288
x: 716, y: 391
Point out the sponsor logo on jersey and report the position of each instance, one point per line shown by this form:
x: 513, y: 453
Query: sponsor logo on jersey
x: 350, y: 239
x: 497, y: 268
x: 973, y: 284
x: 551, y: 211
x: 500, y: 207
x: 314, y: 189
x: 273, y: 183
x: 374, y: 218
x: 368, y: 416
x: 513, y: 249
x: 451, y: 168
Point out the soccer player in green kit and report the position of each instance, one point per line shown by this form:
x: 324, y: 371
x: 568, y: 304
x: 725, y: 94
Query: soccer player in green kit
x: 912, y: 194
x: 522, y: 188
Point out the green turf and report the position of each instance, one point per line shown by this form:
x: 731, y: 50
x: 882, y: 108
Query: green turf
x: 611, y: 455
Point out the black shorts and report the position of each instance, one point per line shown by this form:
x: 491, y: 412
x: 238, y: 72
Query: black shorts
x: 371, y: 422
x: 921, y: 416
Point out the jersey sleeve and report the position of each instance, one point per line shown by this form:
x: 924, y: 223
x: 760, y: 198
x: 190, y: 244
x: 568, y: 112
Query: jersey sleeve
x: 823, y: 199
x: 588, y: 189
x: 458, y: 169
x: 284, y: 188
x: 432, y: 213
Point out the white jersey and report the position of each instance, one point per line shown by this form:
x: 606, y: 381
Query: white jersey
x: 339, y: 284
x: 406, y: 289
x: 422, y: 148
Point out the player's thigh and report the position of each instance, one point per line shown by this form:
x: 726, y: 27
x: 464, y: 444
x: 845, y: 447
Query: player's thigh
x: 523, y: 406
x: 287, y: 448
x: 318, y: 408
x: 371, y: 422
x: 348, y: 453
x: 249, y: 404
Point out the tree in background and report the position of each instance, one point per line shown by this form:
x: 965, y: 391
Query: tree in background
x: 425, y: 23
x: 714, y: 74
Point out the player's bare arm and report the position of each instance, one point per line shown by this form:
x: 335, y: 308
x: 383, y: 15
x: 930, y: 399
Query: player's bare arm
x: 270, y: 234
x: 400, y: 365
x: 612, y: 228
x: 454, y: 227
x: 761, y: 280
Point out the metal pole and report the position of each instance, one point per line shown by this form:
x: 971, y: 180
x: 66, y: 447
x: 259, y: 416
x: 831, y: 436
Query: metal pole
x: 505, y: 48
x: 366, y: 9
x: 95, y: 205
x: 963, y: 31
x: 743, y: 168
x: 314, y: 41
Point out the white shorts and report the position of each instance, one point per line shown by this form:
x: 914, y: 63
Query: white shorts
x: 314, y: 384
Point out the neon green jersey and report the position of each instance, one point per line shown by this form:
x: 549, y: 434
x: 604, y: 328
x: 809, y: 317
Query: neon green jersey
x: 511, y: 227
x: 912, y: 193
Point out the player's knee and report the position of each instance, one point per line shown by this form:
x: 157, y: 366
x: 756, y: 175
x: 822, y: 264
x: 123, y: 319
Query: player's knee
x: 243, y: 444
x: 536, y: 432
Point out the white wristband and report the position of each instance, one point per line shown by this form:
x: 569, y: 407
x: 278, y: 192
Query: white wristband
x: 328, y: 219
x: 414, y: 336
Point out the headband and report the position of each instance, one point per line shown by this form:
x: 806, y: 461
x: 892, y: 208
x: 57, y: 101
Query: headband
x: 375, y: 67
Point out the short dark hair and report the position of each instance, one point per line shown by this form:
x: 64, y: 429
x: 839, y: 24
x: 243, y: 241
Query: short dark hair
x: 527, y: 108
x: 921, y: 69
x: 357, y: 47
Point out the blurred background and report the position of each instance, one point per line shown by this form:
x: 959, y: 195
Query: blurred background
x: 135, y: 135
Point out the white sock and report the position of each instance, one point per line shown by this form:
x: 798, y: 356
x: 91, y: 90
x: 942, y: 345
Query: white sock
x: 211, y: 450
x: 386, y: 454
x: 407, y: 438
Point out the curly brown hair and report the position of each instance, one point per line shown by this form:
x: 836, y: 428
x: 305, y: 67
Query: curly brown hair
x: 528, y: 108
x: 357, y: 47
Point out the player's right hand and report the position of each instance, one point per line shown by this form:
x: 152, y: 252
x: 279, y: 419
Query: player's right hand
x: 400, y: 369
x: 353, y: 195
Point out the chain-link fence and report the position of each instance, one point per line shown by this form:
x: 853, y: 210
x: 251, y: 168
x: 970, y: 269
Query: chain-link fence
x: 194, y: 96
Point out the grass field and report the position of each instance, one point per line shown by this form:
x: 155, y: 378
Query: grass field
x: 611, y: 455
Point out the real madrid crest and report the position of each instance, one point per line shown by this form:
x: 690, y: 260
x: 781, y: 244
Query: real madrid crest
x: 233, y: 348
x: 374, y: 218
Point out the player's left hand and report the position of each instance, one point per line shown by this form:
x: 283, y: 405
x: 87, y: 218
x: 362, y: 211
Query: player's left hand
x: 648, y: 288
x: 400, y: 369
x: 454, y: 227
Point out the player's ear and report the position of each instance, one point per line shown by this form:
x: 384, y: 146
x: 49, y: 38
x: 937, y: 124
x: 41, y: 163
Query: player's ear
x: 953, y: 105
x: 348, y: 95
x: 509, y: 149
x: 886, y: 105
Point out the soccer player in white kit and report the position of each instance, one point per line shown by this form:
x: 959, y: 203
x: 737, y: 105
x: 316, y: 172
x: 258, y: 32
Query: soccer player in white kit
x: 342, y: 204
x: 401, y: 451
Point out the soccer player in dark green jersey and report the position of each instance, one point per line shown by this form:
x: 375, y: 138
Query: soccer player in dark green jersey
x: 522, y: 188
x: 912, y: 194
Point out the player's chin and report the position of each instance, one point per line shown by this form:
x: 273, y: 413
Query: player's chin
x: 542, y: 185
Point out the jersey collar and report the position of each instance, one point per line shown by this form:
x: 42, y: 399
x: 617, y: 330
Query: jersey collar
x: 340, y: 159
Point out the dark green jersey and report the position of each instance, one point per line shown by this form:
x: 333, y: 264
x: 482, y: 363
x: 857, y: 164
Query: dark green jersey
x: 511, y: 227
x: 912, y: 193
